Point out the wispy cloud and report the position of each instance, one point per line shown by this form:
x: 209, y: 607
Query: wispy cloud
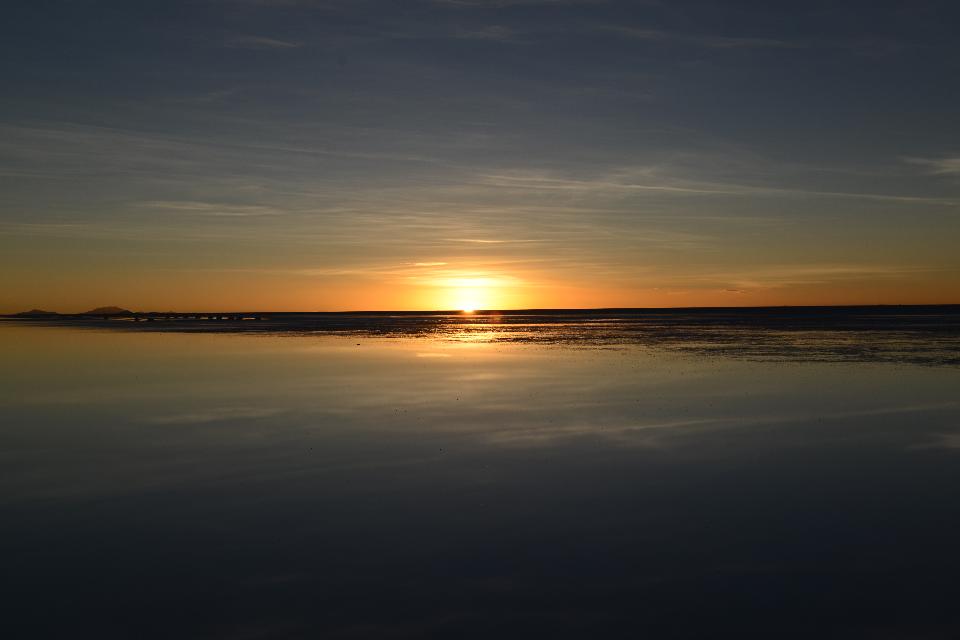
x: 624, y: 180
x: 207, y: 97
x: 260, y: 42
x: 948, y: 441
x: 700, y: 40
x: 211, y: 208
x: 214, y: 415
x: 774, y: 276
x: 490, y: 241
x: 947, y: 166
x: 492, y: 32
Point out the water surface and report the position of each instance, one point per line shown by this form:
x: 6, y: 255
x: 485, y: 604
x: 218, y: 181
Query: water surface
x: 791, y: 481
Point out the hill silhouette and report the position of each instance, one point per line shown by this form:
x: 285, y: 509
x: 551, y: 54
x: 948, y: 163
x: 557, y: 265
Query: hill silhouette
x: 37, y: 312
x: 108, y: 311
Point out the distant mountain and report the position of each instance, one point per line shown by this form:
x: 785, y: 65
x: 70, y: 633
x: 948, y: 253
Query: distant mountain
x: 37, y: 312
x: 108, y: 311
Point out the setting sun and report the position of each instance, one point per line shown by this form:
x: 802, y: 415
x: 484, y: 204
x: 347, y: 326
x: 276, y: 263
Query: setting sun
x: 470, y: 300
x: 471, y: 292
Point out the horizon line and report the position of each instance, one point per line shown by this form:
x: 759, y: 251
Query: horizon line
x: 514, y: 310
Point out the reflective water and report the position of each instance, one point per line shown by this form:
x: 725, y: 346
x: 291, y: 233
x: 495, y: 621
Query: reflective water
x: 347, y: 484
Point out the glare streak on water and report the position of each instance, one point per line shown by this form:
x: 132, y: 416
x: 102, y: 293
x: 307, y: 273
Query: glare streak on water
x: 918, y: 335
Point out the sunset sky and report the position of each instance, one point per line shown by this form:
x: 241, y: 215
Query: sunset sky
x: 445, y: 154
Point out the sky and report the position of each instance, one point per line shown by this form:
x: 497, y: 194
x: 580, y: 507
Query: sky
x: 446, y: 154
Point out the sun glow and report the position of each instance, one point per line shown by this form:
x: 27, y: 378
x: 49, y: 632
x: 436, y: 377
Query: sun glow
x: 469, y: 300
x: 469, y: 291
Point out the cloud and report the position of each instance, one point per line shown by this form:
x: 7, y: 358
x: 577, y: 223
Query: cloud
x: 488, y: 241
x: 260, y: 42
x: 469, y: 280
x: 774, y: 276
x: 544, y: 181
x: 211, y: 208
x: 208, y: 97
x: 699, y: 40
x: 215, y: 415
x: 492, y: 32
x: 948, y: 441
x: 623, y: 181
x: 948, y: 166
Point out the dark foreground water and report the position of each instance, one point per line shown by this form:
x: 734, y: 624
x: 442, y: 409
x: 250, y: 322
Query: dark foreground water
x: 787, y: 477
